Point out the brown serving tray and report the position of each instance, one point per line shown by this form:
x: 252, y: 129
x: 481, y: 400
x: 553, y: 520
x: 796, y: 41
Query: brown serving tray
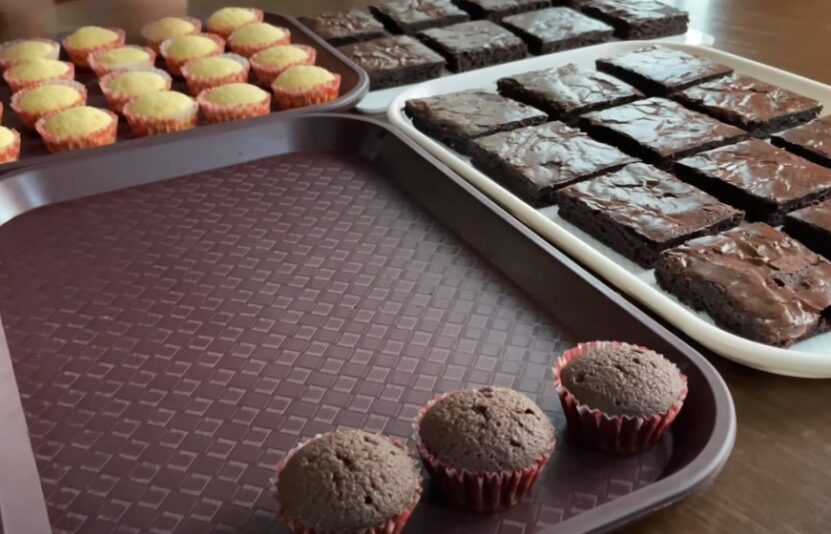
x: 172, y: 340
x: 354, y: 86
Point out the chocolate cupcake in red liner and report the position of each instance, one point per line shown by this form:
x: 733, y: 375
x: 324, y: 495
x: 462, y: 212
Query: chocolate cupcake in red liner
x: 350, y: 482
x: 271, y: 62
x: 305, y: 85
x: 484, y: 448
x: 618, y: 397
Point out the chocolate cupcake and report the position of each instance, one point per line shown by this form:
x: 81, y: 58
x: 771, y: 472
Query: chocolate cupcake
x: 348, y: 482
x: 485, y: 448
x: 618, y: 397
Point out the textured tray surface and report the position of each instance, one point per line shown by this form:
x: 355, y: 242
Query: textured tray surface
x: 173, y: 341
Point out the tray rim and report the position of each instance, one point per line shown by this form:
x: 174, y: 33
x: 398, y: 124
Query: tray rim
x: 689, y: 479
x: 788, y: 362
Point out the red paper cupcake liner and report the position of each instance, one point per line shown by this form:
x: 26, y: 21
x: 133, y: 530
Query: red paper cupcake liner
x: 117, y: 101
x: 104, y: 136
x: 228, y: 30
x: 622, y: 434
x: 79, y: 56
x: 142, y: 125
x: 102, y: 70
x: 248, y: 51
x: 478, y: 491
x: 6, y: 63
x: 11, y: 152
x: 18, y: 85
x: 268, y: 73
x: 29, y: 119
x: 154, y: 44
x: 394, y: 525
x: 216, y: 112
x: 197, y: 84
x: 298, y: 98
x: 175, y: 65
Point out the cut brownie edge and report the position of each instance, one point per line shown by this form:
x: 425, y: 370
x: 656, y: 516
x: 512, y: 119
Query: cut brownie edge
x: 812, y: 236
x: 646, y: 85
x: 407, y: 76
x: 477, y: 12
x: 799, y: 150
x: 754, y: 128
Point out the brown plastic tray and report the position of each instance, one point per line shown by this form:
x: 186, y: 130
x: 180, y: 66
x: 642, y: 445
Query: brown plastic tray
x: 354, y: 86
x: 172, y: 340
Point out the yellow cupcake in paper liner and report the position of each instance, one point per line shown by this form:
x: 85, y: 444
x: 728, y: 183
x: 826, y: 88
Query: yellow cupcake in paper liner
x: 91, y: 39
x: 78, y: 127
x: 234, y: 101
x: 252, y: 38
x: 161, y: 112
x: 204, y: 73
x: 169, y: 27
x: 37, y: 71
x: 18, y: 50
x: 305, y: 85
x: 228, y: 19
x: 33, y: 103
x: 180, y: 50
x: 271, y: 62
x: 9, y: 145
x: 121, y: 58
x: 123, y: 86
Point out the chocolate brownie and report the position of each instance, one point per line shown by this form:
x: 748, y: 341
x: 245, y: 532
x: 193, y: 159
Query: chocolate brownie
x: 395, y: 60
x: 557, y: 28
x: 568, y: 92
x: 344, y: 27
x: 811, y: 141
x: 640, y: 211
x: 537, y: 160
x: 411, y: 16
x: 751, y: 104
x: 765, y: 181
x: 475, y: 44
x: 658, y: 70
x: 812, y: 226
x: 458, y: 118
x: 638, y: 19
x: 753, y: 280
x: 497, y: 9
x: 658, y: 130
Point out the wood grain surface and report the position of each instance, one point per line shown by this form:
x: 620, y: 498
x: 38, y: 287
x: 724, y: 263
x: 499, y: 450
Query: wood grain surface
x: 778, y: 480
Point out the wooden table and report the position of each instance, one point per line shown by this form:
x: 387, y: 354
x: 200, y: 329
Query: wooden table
x: 777, y: 480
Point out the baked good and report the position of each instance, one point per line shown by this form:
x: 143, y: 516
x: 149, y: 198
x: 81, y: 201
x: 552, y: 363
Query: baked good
x: 618, y: 397
x: 227, y: 20
x: 474, y: 44
x: 159, y: 31
x: 659, y: 70
x: 347, y: 482
x: 206, y: 72
x: 271, y: 62
x: 90, y: 39
x: 811, y: 141
x: 457, y: 118
x: 121, y: 58
x: 411, y: 16
x: 765, y: 181
x: 35, y: 72
x: 234, y: 101
x: 557, y: 28
x: 305, y: 85
x: 640, y: 211
x: 159, y: 112
x: 395, y: 60
x: 9, y: 145
x: 567, y: 92
x: 123, y: 86
x: 179, y: 50
x: 345, y: 27
x: 18, y: 50
x: 658, y: 130
x: 754, y: 281
x: 812, y: 226
x: 484, y: 447
x: 252, y: 38
x: 751, y: 104
x: 496, y: 10
x: 33, y: 103
x: 638, y: 19
x: 535, y: 161
x: 76, y: 128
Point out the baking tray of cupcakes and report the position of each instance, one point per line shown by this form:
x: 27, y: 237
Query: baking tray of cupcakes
x: 401, y: 42
x: 167, y: 81
x: 695, y: 181
x: 266, y: 329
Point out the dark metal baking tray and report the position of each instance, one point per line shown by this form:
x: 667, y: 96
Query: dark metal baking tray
x: 172, y: 340
x: 354, y: 86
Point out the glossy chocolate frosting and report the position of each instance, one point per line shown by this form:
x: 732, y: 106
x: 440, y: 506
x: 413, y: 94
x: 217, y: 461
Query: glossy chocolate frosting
x: 391, y: 52
x: 818, y: 215
x: 473, y: 36
x: 500, y: 5
x: 666, y: 66
x: 814, y: 136
x: 651, y: 202
x: 339, y: 24
x: 416, y: 11
x: 633, y: 11
x: 556, y: 23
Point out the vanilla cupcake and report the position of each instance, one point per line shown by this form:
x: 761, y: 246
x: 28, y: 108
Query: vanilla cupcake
x: 35, y: 102
x: 234, y: 101
x: 166, y: 28
x: 35, y: 72
x: 229, y: 19
x: 124, y: 57
x: 179, y: 50
x: 17, y: 50
x: 204, y: 73
x: 90, y: 39
x: 9, y: 145
x: 305, y: 85
x: 78, y: 127
x: 161, y: 112
x: 271, y: 62
x: 252, y: 38
x: 123, y: 86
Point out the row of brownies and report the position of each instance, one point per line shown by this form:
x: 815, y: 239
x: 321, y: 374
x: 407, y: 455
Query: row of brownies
x: 430, y: 35
x: 665, y: 158
x: 48, y: 99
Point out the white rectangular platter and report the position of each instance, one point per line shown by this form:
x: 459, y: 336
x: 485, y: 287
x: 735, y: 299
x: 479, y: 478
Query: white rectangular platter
x: 810, y: 358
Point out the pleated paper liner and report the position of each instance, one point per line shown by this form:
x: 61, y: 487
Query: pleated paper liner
x: 104, y: 136
x: 249, y: 50
x: 154, y: 44
x: 79, y: 56
x: 142, y: 125
x: 53, y: 54
x: 198, y: 83
x: 117, y: 100
x: 226, y: 31
x: 17, y: 84
x: 307, y: 96
x: 174, y: 65
x: 30, y: 118
x: 218, y: 112
x: 102, y: 70
x: 268, y: 73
